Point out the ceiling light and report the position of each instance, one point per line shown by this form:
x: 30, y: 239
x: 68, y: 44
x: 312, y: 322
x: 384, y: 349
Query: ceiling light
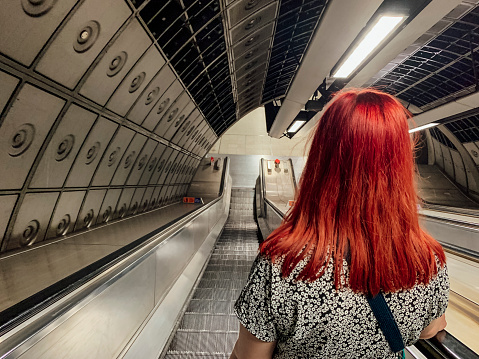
x: 381, y: 29
x: 296, y: 126
x: 432, y: 124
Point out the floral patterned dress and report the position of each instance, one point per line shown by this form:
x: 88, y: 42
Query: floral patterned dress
x: 314, y: 320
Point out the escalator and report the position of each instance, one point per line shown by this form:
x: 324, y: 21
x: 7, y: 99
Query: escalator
x: 209, y: 328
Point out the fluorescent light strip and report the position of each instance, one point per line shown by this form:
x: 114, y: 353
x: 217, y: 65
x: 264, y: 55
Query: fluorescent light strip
x: 432, y: 124
x: 296, y: 126
x: 384, y: 26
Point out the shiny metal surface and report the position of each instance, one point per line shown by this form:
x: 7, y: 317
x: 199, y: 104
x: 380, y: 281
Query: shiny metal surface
x: 67, y: 64
x: 121, y: 299
x: 135, y: 82
x: 115, y: 63
x: 63, y: 148
x: 23, y: 135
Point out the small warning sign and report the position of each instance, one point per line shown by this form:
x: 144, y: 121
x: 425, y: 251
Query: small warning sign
x: 291, y: 203
x: 193, y: 200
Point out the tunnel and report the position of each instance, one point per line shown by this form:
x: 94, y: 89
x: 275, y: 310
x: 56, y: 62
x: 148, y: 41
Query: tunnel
x: 148, y: 146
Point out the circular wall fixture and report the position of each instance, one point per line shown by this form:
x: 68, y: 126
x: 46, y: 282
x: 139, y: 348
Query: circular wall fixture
x: 145, y: 206
x: 21, y: 139
x: 113, y: 156
x: 153, y: 203
x: 160, y: 166
x: 167, y: 168
x: 37, y: 8
x: 64, y: 147
x: 136, y: 82
x: 92, y: 153
x: 63, y: 225
x: 142, y: 162
x: 251, y: 40
x: 252, y: 23
x: 86, y: 36
x: 30, y: 233
x: 117, y: 64
x: 250, y: 4
x: 180, y: 120
x: 190, y: 130
x: 152, y: 95
x: 185, y: 126
x: 129, y: 159
x: 251, y: 53
x: 250, y: 65
x: 133, y: 208
x: 88, y: 219
x: 107, y: 214
x: 172, y: 114
x: 163, y: 105
x: 152, y: 164
x: 122, y: 211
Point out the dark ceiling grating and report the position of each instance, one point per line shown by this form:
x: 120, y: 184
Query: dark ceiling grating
x: 466, y: 129
x: 296, y: 23
x: 191, y: 35
x: 441, y: 137
x: 441, y: 69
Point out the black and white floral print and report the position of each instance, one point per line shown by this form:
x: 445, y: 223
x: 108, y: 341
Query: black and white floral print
x: 313, y: 320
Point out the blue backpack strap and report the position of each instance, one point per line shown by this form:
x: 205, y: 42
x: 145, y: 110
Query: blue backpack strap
x: 386, y: 322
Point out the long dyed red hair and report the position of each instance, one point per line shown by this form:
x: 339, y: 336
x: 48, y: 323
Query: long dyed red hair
x: 357, y: 200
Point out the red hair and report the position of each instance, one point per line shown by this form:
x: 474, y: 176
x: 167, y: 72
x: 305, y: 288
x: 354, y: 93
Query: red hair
x: 357, y: 200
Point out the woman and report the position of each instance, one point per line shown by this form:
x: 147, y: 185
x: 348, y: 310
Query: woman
x: 353, y: 232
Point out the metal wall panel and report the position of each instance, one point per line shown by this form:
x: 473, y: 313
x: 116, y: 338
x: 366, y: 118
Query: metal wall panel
x: 8, y: 84
x: 172, y: 113
x: 187, y: 128
x: 23, y: 134
x: 112, y: 157
x: 188, y: 137
x: 244, y: 8
x: 123, y: 205
x: 178, y: 122
x: 116, y: 63
x: 459, y: 170
x: 6, y: 207
x: 141, y: 163
x: 29, y: 24
x: 178, y: 163
x: 196, y: 136
x: 108, y: 206
x: 162, y: 196
x: 147, y: 198
x: 136, y: 81
x: 162, y: 105
x: 66, y: 213
x: 253, y: 39
x: 253, y: 22
x: 151, y: 95
x: 253, y: 53
x: 128, y: 159
x: 63, y: 148
x: 155, y: 202
x: 448, y: 166
x: 91, y: 153
x: 82, y: 38
x: 166, y: 171
x: 32, y: 220
x: 152, y: 165
x: 168, y: 195
x: 135, y: 204
x: 161, y: 166
x: 90, y: 209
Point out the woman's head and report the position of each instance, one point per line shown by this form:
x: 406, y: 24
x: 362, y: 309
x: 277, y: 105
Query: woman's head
x: 357, y: 195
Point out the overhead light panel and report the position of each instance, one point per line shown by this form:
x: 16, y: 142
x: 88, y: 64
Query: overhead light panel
x: 420, y: 128
x: 380, y: 30
x: 296, y: 126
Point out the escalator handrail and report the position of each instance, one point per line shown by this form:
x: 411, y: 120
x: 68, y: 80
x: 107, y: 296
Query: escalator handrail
x: 35, y: 304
